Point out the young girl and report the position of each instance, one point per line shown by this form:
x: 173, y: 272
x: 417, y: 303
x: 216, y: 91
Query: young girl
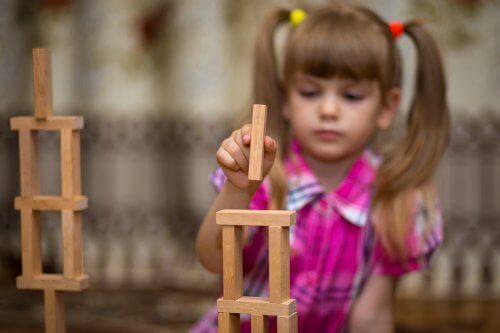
x: 363, y: 218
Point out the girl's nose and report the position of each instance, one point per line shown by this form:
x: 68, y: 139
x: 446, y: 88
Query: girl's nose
x: 329, y: 108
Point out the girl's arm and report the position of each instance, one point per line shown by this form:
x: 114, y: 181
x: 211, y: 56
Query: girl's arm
x: 372, y: 312
x: 233, y: 158
x: 209, y: 239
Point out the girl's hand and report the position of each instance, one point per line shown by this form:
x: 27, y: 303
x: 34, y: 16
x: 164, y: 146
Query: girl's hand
x: 234, y: 154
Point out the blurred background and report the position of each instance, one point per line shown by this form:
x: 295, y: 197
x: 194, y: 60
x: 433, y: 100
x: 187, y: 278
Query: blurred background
x: 160, y: 83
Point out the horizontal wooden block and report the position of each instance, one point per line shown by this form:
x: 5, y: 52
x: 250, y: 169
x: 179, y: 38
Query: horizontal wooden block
x: 47, y: 202
x: 50, y: 124
x: 53, y: 281
x: 265, y: 218
x: 257, y: 306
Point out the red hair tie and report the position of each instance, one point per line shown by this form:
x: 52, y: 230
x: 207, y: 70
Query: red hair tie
x: 397, y: 28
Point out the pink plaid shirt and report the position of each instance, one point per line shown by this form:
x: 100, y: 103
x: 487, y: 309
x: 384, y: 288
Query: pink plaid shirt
x: 333, y: 245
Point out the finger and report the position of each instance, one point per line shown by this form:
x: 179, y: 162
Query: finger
x: 246, y: 133
x: 270, y: 148
x: 238, y: 138
x: 225, y: 160
x: 235, y: 151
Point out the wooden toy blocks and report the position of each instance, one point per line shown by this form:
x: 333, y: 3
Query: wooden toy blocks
x: 31, y: 203
x: 278, y: 223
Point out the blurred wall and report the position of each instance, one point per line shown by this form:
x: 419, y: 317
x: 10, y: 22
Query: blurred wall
x: 159, y: 84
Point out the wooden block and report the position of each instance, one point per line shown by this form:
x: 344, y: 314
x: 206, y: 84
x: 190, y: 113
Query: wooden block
x: 53, y: 281
x: 228, y: 322
x: 279, y: 264
x: 72, y: 244
x: 255, y: 169
x: 288, y: 324
x: 28, y: 156
x: 42, y: 83
x: 54, y: 311
x: 55, y: 123
x: 70, y: 163
x: 31, y: 244
x: 266, y: 218
x: 257, y: 306
x: 259, y: 324
x: 48, y: 202
x: 232, y: 262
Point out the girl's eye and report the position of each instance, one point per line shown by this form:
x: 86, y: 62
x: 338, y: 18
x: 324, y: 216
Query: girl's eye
x: 308, y: 93
x: 354, y: 97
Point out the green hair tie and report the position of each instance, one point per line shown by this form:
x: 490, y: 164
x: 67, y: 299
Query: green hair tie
x: 297, y: 16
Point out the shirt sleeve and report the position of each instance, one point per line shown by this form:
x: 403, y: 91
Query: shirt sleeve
x: 421, y: 242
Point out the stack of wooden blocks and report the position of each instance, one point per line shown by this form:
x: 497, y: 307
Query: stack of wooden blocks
x: 278, y: 223
x: 31, y: 202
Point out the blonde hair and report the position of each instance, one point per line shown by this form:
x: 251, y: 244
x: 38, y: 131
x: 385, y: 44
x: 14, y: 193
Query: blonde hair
x: 353, y: 42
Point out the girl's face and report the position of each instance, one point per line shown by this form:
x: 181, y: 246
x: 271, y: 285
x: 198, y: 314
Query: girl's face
x: 335, y: 118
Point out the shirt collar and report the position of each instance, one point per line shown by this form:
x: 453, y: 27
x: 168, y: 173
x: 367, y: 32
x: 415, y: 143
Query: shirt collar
x: 351, y: 198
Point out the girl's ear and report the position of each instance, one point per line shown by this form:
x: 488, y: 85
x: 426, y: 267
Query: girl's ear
x: 389, y: 108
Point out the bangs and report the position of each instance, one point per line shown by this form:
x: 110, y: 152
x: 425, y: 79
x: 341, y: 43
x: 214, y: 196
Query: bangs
x: 340, y: 46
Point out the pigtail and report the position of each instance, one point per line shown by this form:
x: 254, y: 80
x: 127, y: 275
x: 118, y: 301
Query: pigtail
x: 269, y: 90
x: 411, y: 165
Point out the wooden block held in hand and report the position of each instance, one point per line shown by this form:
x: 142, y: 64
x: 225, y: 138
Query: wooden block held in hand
x: 255, y: 169
x: 42, y: 83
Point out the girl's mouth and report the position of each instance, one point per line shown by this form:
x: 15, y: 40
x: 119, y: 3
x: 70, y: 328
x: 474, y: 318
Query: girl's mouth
x: 327, y: 135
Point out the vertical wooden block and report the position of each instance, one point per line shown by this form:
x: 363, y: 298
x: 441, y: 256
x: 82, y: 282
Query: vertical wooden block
x: 279, y: 264
x: 288, y: 324
x: 232, y: 259
x: 259, y: 324
x: 28, y: 157
x: 42, y: 83
x: 228, y: 322
x: 70, y: 163
x: 72, y: 243
x: 54, y: 311
x: 255, y: 170
x: 31, y: 245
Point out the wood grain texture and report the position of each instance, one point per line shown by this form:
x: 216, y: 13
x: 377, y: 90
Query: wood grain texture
x: 257, y: 306
x: 228, y: 322
x: 259, y: 324
x: 266, y: 218
x: 42, y: 83
x: 54, y: 311
x: 288, y: 324
x: 52, y: 203
x: 255, y: 169
x: 31, y: 243
x: 53, y: 281
x: 279, y: 264
x: 72, y: 244
x: 232, y: 262
x: 54, y: 123
x: 70, y: 163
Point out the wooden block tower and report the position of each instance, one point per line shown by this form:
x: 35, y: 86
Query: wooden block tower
x: 31, y: 202
x: 278, y: 223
